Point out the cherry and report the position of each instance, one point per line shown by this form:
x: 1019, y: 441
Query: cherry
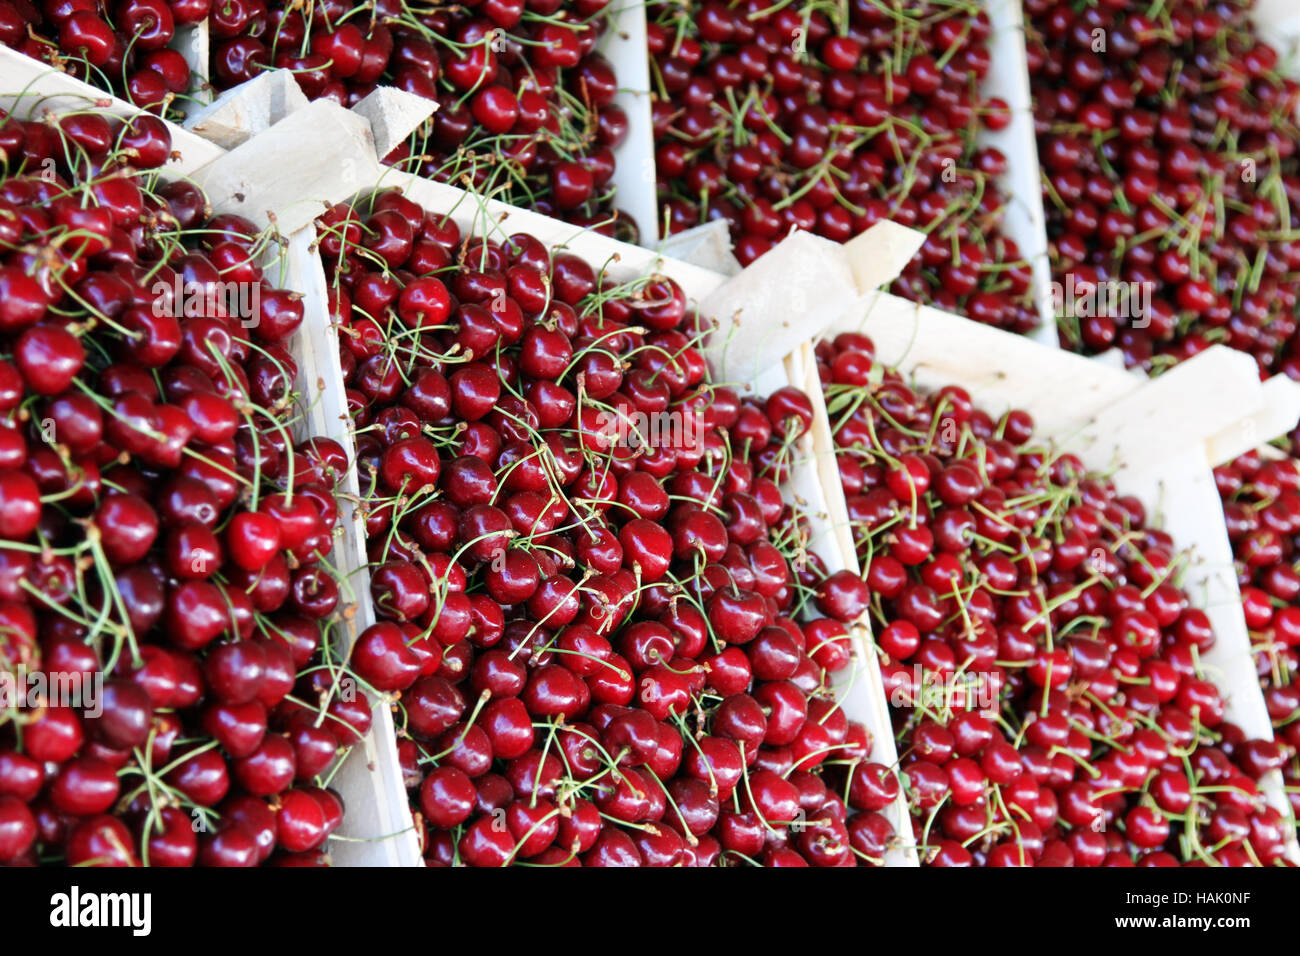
x: 648, y: 547
x: 410, y: 465
x: 508, y: 727
x: 20, y: 776
x: 125, y: 714
x: 736, y: 616
x: 84, y: 787
x: 301, y: 822
x: 400, y: 591
x: 496, y: 108
x: 22, y: 511
x: 202, y: 776
x: 234, y: 671
x: 53, y: 737
x: 483, y: 844
x: 571, y: 185
x: 383, y: 659
x: 842, y: 596
x: 252, y: 539
x: 1145, y: 827
x: 86, y: 34
x: 446, y: 797
x: 100, y: 841
x: 172, y: 842
x: 239, y: 729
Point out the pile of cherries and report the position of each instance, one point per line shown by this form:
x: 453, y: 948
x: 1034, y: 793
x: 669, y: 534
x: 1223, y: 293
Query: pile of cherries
x: 1168, y: 146
x: 164, y: 541
x: 775, y: 116
x: 526, y: 108
x: 1261, y: 504
x: 125, y: 47
x: 604, y: 648
x: 1043, y: 666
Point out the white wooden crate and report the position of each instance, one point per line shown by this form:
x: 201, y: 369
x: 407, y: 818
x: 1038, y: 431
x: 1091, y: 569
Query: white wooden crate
x: 1024, y: 221
x: 233, y: 115
x: 760, y: 341
x: 1158, y: 437
x: 374, y: 831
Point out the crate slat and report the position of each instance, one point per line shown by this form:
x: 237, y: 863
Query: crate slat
x: 29, y: 87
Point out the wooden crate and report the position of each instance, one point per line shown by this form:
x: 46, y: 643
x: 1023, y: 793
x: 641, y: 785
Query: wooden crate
x: 762, y: 341
x: 233, y: 115
x: 1024, y: 221
x: 373, y: 831
x: 1160, y: 438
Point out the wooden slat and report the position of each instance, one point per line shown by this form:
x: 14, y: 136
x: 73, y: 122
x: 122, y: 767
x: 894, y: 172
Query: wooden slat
x: 785, y: 296
x: 816, y: 482
x: 1277, y: 416
x: 624, y: 45
x: 378, y: 829
x: 1006, y: 371
x: 393, y: 115
x: 1183, y: 408
x: 248, y: 109
x: 878, y: 256
x: 193, y: 43
x: 707, y: 246
x: 318, y: 154
x: 29, y: 87
x: 1024, y: 219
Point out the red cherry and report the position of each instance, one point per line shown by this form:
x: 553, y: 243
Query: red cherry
x: 100, y: 841
x: 85, y: 34
x: 571, y: 184
x: 49, y: 358
x: 383, y: 659
x: 252, y: 539
x: 446, y: 797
